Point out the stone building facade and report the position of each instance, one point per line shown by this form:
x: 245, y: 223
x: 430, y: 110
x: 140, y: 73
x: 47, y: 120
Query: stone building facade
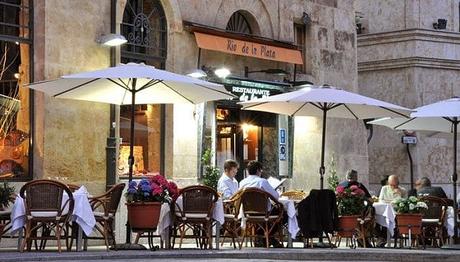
x: 70, y: 136
x: 409, y: 60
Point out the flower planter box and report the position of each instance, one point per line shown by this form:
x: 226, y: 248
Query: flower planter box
x: 347, y: 225
x: 143, y: 215
x: 409, y: 223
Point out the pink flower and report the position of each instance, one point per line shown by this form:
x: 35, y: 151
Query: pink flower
x: 172, y: 188
x: 159, y: 180
x: 157, y: 191
x: 340, y: 190
x: 354, y: 187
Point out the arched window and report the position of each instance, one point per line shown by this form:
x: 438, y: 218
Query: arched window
x: 15, y: 72
x: 145, y: 27
x: 239, y: 24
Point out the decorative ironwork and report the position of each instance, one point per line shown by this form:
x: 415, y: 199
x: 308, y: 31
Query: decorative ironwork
x: 16, y: 20
x: 144, y: 26
x: 238, y: 23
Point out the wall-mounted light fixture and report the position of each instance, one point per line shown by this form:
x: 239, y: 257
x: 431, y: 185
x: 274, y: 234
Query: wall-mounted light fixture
x: 112, y: 40
x: 222, y: 72
x: 306, y: 20
x: 441, y: 24
x: 197, y: 73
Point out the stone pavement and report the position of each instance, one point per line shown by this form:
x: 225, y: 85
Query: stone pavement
x: 246, y: 254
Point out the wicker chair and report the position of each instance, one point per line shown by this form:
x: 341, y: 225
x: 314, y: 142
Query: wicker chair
x: 232, y: 224
x: 433, y: 220
x: 255, y: 210
x: 195, y: 214
x: 49, y: 206
x: 73, y: 187
x: 104, y: 208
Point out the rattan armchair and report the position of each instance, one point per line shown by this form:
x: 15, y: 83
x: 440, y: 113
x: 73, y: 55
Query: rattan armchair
x: 257, y: 214
x: 192, y: 211
x: 104, y: 208
x: 433, y: 220
x: 232, y: 224
x: 49, y: 206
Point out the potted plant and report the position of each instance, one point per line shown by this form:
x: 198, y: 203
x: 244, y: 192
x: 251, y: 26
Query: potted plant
x: 211, y: 173
x: 409, y: 214
x: 144, y: 200
x: 6, y: 195
x: 350, y: 205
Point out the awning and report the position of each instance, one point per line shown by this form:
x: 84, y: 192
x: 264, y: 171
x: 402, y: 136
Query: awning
x: 248, y: 48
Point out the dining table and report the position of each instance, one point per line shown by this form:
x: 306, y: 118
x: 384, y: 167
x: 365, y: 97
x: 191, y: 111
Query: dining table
x: 82, y: 215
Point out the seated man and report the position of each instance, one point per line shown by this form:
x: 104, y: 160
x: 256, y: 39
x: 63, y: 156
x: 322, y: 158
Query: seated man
x: 227, y: 184
x: 254, y: 179
x: 392, y: 191
x: 352, y: 179
x: 425, y: 189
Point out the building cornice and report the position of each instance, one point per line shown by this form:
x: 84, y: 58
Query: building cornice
x: 408, y: 35
x: 392, y: 39
x: 406, y: 62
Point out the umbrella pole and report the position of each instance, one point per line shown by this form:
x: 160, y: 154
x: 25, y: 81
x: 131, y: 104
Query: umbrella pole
x: 323, y: 146
x: 454, y: 181
x: 131, y: 149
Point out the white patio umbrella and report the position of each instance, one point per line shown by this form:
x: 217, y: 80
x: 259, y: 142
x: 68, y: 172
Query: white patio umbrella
x: 131, y: 84
x: 326, y: 101
x: 442, y: 116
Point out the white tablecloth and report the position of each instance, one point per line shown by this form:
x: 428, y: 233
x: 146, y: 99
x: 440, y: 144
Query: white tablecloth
x: 385, y: 216
x: 450, y: 220
x: 293, y: 225
x: 82, y: 212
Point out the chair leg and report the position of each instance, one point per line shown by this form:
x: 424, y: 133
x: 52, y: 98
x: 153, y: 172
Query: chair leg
x: 58, y: 236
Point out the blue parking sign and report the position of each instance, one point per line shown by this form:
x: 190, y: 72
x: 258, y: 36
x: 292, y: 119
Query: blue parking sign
x: 282, y: 136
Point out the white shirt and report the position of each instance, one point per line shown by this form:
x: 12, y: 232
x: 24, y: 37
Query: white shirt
x: 227, y: 186
x: 258, y: 182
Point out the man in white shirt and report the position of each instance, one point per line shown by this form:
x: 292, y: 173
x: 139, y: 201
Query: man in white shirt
x: 254, y: 180
x: 227, y: 184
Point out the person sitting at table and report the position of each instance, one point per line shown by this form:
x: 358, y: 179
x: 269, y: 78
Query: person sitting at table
x: 227, y: 184
x: 254, y: 179
x: 392, y: 191
x: 424, y: 188
x: 352, y: 179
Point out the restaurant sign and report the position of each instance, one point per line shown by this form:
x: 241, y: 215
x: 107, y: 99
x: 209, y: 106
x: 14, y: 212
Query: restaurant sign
x: 248, y: 90
x: 248, y: 48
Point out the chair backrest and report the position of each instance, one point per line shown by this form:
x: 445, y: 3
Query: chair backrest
x: 436, y: 207
x: 255, y: 202
x: 110, y: 200
x: 198, y: 199
x: 73, y: 187
x: 47, y: 196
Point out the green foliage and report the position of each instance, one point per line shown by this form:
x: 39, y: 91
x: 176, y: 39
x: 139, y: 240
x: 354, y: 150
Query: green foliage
x: 6, y: 195
x: 211, y: 173
x: 332, y: 179
x: 409, y: 205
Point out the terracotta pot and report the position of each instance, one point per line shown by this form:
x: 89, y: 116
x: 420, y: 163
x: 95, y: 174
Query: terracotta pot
x: 406, y: 221
x: 347, y: 225
x: 143, y: 215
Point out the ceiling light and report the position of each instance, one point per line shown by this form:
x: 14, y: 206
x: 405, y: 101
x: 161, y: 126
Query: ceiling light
x: 16, y: 75
x: 222, y: 72
x: 112, y: 40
